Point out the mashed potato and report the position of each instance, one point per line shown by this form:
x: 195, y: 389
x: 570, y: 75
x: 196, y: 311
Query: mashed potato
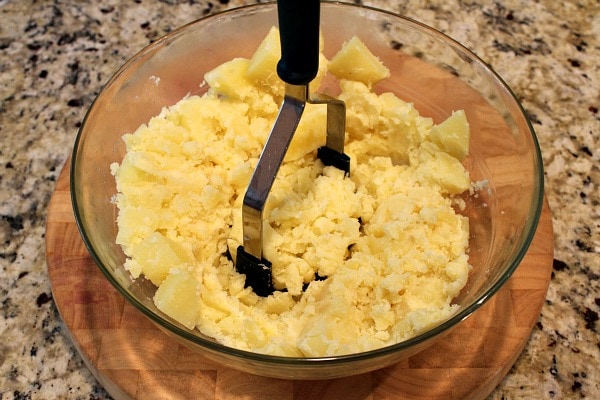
x: 359, y: 261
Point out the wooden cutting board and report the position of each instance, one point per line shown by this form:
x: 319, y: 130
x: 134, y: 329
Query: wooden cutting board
x: 132, y: 359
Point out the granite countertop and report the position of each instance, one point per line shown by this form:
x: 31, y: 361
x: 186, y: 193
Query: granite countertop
x: 56, y: 55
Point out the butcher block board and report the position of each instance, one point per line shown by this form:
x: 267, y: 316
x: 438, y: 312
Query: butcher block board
x: 133, y: 359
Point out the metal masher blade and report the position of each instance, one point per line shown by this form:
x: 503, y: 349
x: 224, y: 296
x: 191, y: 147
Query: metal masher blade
x: 299, y: 35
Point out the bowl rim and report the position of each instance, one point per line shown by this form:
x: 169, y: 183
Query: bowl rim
x: 462, y: 314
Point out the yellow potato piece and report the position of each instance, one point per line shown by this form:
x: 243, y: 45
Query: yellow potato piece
x: 262, y: 69
x: 452, y: 135
x: 178, y: 297
x: 356, y: 62
x: 156, y: 255
x: 229, y: 79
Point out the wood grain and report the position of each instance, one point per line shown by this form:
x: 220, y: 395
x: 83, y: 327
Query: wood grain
x: 133, y: 359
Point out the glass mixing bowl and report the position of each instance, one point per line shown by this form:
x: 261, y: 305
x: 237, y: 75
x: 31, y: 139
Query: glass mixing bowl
x: 427, y: 68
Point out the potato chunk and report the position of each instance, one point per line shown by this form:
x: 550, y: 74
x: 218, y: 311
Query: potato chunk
x: 179, y: 297
x: 452, y: 135
x: 229, y: 79
x: 262, y: 69
x: 355, y: 62
x: 156, y: 255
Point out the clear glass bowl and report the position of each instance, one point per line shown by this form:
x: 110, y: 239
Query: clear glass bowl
x: 429, y: 69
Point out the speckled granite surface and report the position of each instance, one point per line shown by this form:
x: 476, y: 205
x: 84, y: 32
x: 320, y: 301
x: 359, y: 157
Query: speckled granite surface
x: 55, y: 56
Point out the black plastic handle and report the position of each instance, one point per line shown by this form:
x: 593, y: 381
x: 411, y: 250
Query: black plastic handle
x: 299, y: 35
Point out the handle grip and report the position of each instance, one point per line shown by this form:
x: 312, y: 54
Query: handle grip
x: 299, y: 36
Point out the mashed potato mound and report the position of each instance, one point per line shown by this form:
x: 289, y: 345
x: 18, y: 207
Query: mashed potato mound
x: 359, y: 261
